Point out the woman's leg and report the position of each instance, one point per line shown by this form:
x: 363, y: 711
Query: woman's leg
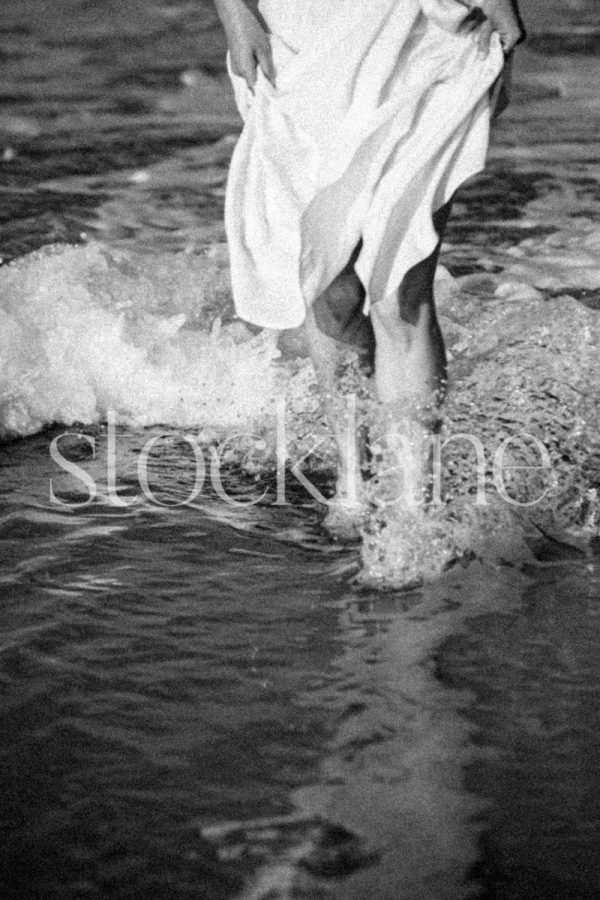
x: 410, y: 373
x: 410, y: 359
x: 345, y: 292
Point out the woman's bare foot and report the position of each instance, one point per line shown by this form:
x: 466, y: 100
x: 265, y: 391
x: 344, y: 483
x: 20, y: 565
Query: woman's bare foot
x: 343, y: 520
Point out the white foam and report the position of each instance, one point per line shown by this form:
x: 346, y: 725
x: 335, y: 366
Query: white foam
x: 84, y: 331
x: 570, y: 258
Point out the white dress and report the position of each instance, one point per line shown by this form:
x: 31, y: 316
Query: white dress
x: 380, y: 111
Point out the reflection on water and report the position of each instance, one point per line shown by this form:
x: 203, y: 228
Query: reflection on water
x: 186, y: 703
x: 537, y: 687
x: 165, y: 673
x: 196, y: 701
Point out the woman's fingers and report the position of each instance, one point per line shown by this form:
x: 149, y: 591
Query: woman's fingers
x: 487, y: 16
x: 264, y: 56
x: 484, y: 38
x: 472, y: 21
x: 509, y: 38
x: 249, y: 43
x: 501, y: 14
x: 244, y: 65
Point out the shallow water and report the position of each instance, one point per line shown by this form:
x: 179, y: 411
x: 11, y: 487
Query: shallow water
x: 197, y: 700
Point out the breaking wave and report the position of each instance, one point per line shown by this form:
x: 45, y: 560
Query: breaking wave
x: 88, y: 330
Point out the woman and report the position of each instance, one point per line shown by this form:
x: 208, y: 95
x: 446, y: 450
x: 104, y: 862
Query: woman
x: 361, y: 120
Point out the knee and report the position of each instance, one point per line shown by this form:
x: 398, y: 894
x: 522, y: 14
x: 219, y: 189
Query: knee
x: 415, y: 294
x: 391, y: 318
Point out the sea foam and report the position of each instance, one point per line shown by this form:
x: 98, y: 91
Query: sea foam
x: 523, y: 348
x: 153, y: 338
x: 85, y: 330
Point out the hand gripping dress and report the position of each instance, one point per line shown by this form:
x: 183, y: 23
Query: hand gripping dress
x: 381, y: 110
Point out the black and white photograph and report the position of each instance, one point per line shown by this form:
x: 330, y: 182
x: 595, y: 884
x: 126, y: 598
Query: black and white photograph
x: 300, y: 450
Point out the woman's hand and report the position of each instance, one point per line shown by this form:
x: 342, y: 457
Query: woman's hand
x: 249, y: 44
x: 489, y: 16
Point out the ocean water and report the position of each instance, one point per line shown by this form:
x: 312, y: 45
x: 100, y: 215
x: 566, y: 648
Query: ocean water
x: 202, y: 696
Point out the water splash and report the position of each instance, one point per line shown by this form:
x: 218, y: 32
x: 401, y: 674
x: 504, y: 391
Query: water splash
x: 85, y: 331
x: 524, y: 390
x: 153, y: 338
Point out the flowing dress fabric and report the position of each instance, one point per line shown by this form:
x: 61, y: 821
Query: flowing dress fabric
x: 380, y: 111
